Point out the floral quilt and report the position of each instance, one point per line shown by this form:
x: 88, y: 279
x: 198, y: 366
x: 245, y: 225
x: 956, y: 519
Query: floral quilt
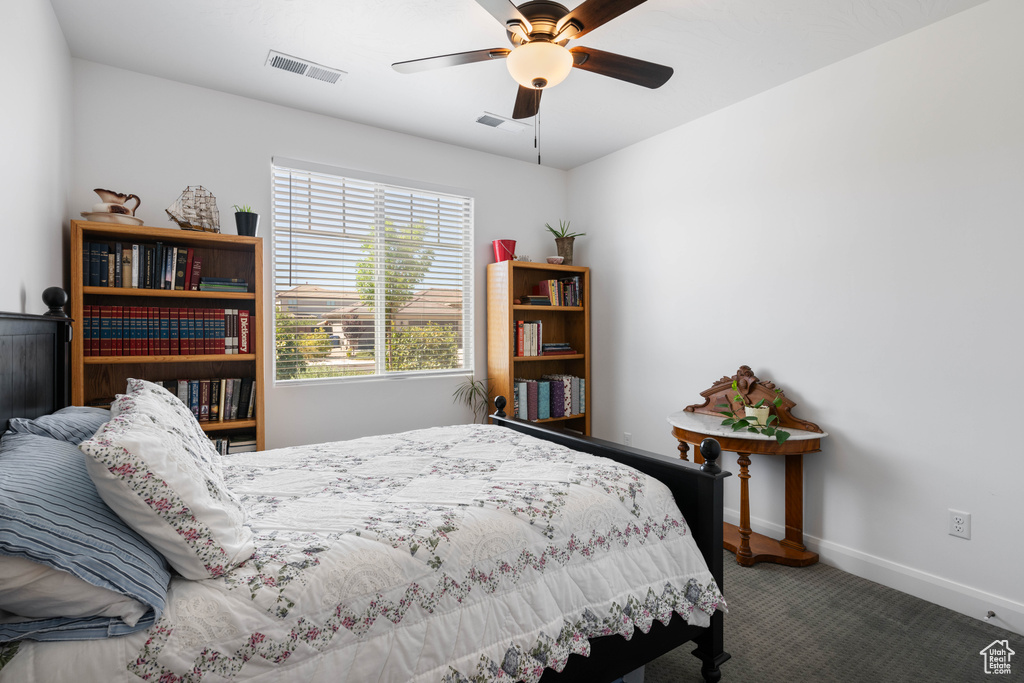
x: 455, y: 554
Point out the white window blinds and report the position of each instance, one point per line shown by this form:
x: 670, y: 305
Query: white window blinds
x: 370, y: 278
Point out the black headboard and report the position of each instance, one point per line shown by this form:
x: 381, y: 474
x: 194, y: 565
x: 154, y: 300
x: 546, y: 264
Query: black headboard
x: 33, y: 365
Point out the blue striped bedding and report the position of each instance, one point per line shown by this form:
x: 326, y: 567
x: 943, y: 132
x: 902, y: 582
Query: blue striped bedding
x: 50, y: 513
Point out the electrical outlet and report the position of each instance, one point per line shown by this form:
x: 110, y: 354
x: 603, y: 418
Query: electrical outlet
x: 959, y: 524
x: 627, y: 439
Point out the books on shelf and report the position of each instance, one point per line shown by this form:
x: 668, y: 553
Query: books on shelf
x: 566, y: 291
x: 552, y: 396
x: 216, y: 400
x: 163, y: 331
x: 150, y: 266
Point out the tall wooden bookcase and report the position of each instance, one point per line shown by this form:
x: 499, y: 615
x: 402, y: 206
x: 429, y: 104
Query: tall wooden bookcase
x: 96, y: 379
x: 507, y: 282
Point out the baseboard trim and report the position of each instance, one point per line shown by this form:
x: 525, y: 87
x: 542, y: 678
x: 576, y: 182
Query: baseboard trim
x: 935, y: 589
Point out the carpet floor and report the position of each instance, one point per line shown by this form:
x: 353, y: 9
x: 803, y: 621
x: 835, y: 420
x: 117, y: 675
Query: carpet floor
x: 818, y: 623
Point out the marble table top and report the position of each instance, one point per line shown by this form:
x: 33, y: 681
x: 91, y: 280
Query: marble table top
x: 711, y: 425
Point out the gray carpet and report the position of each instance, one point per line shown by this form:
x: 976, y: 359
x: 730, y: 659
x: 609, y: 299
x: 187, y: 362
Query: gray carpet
x: 817, y: 623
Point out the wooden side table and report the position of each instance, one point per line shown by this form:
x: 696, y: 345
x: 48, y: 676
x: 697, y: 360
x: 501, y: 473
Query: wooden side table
x: 750, y: 547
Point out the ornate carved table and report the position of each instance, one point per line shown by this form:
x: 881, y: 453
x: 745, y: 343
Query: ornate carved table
x: 698, y: 422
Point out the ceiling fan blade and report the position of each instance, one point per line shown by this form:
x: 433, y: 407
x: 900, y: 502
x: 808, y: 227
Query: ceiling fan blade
x: 527, y: 103
x: 441, y: 61
x: 505, y: 11
x: 593, y: 13
x: 629, y: 69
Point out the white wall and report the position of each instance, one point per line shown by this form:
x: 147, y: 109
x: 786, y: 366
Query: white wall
x: 855, y: 235
x: 35, y: 146
x: 168, y: 135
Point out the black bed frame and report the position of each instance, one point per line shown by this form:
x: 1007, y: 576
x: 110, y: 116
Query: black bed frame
x: 34, y: 378
x: 698, y: 490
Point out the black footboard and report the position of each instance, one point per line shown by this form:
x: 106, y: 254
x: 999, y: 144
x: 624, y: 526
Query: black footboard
x: 698, y: 490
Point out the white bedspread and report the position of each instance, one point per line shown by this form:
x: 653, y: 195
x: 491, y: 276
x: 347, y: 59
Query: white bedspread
x: 448, y: 554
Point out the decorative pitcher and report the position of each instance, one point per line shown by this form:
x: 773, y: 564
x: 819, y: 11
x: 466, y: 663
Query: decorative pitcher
x: 114, y: 202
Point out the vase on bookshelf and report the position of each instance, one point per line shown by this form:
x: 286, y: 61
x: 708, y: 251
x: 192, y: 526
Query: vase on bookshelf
x: 564, y: 247
x: 246, y: 223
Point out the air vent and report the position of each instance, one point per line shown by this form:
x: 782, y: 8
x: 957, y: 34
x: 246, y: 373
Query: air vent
x: 501, y: 123
x: 303, y: 67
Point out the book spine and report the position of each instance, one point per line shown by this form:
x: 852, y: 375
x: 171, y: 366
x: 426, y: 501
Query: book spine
x: 531, y: 400
x: 116, y: 331
x: 147, y: 271
x: 243, y: 331
x: 126, y: 266
x: 197, y: 267
x: 180, y: 267
x: 117, y: 264
x: 165, y: 332
x: 104, y: 266
x: 220, y: 325
x: 245, y: 394
x: 229, y: 396
x: 543, y: 400
x: 183, y: 391
x: 204, y: 400
x: 193, y: 397
x: 215, y: 401
x: 236, y: 395
x: 135, y: 266
x: 252, y: 402
x: 172, y: 316
x: 222, y: 398
x: 104, y: 330
x: 86, y: 262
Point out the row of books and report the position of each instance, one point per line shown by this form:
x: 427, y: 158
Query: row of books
x: 242, y: 443
x: 216, y: 400
x: 566, y: 291
x: 550, y: 396
x: 140, y: 266
x: 156, y: 331
x: 529, y: 341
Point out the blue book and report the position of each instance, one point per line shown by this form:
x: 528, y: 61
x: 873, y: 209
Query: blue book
x: 193, y: 397
x: 557, y: 398
x: 543, y: 399
x: 94, y: 264
x: 86, y: 262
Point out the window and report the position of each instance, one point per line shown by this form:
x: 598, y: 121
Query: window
x: 371, y: 278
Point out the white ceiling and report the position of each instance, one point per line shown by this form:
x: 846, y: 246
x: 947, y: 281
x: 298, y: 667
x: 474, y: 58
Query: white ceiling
x: 723, y: 51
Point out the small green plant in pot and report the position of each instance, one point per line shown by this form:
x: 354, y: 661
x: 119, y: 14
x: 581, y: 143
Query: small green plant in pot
x: 757, y: 419
x: 473, y: 394
x: 246, y: 220
x: 564, y: 240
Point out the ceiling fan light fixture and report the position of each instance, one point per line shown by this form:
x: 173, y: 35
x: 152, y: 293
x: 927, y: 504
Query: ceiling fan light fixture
x: 539, y: 64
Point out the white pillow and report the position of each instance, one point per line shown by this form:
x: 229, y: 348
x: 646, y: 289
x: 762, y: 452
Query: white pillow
x: 28, y: 589
x: 154, y: 466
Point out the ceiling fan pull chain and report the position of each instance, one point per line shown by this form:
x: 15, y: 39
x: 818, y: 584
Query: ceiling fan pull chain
x: 536, y: 135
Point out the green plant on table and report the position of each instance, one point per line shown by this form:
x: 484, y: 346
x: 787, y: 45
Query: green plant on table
x: 750, y: 423
x: 244, y: 208
x: 473, y: 394
x: 563, y: 230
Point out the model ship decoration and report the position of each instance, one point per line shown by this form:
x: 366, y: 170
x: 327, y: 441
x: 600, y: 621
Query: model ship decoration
x: 195, y: 209
x: 753, y: 389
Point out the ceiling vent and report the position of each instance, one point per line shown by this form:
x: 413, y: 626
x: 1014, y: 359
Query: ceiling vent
x: 501, y: 123
x: 303, y: 67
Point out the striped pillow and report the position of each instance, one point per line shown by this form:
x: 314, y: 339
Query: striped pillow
x: 73, y: 424
x: 52, y: 515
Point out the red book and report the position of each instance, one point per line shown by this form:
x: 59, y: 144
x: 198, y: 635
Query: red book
x: 152, y: 331
x: 243, y: 331
x: 220, y: 319
x: 116, y: 315
x: 187, y: 282
x: 87, y: 329
x: 197, y: 266
x: 519, y: 338
x: 126, y: 329
x: 175, y: 342
x: 105, y: 332
x: 209, y: 330
x: 165, y: 331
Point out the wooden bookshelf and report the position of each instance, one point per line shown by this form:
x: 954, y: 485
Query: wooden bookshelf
x: 95, y: 379
x: 507, y: 281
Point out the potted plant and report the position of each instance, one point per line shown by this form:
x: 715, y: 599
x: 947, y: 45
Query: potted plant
x: 473, y: 394
x: 757, y: 418
x: 246, y: 221
x: 564, y: 240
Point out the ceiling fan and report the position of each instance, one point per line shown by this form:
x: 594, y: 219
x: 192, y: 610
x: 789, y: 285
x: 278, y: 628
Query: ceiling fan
x: 538, y: 59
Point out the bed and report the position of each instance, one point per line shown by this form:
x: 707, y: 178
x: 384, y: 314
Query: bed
x: 334, y: 562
